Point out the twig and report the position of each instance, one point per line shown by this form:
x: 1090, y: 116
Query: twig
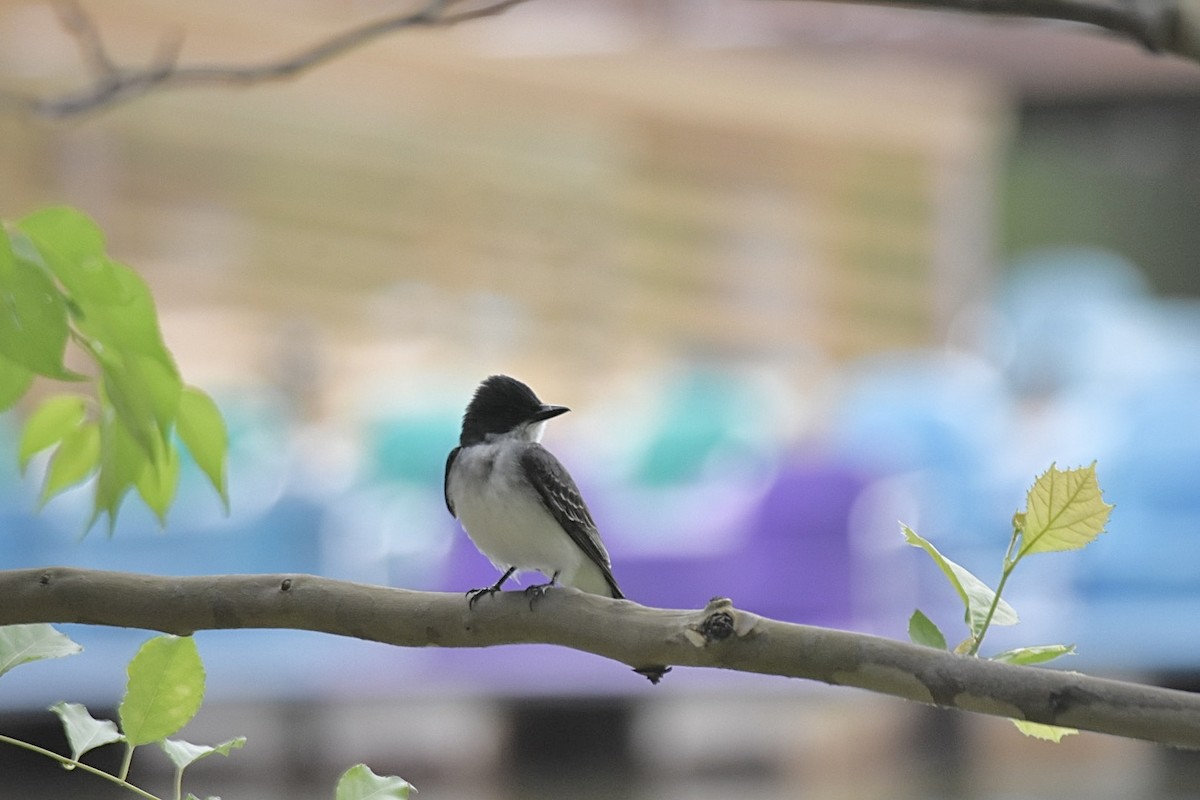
x: 113, y: 83
x: 719, y: 636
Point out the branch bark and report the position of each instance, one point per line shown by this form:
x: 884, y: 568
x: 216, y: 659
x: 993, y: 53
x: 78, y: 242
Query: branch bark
x: 112, y: 83
x: 1161, y: 26
x: 718, y: 636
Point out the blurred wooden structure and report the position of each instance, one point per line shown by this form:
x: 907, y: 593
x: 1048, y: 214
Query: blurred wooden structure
x: 652, y: 201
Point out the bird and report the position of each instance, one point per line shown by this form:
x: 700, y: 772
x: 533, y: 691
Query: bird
x: 516, y: 501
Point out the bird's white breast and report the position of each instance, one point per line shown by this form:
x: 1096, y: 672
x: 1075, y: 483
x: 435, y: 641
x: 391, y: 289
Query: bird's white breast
x: 504, y: 516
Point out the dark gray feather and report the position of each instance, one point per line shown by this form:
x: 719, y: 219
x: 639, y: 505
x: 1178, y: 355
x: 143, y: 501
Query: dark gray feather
x: 446, y: 481
x: 562, y: 499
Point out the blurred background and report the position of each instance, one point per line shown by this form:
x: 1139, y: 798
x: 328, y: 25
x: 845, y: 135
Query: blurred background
x: 802, y: 271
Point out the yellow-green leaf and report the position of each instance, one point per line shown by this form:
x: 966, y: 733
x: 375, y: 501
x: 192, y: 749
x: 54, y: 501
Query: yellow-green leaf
x: 70, y: 243
x: 976, y: 595
x: 1064, y: 511
x: 923, y: 631
x: 144, y: 393
x: 165, y: 689
x: 15, y: 380
x: 33, y: 315
x: 202, y: 429
x: 122, y: 462
x: 54, y: 419
x: 158, y: 482
x: 1037, y: 654
x: 77, y: 457
x: 1050, y: 733
x: 360, y: 783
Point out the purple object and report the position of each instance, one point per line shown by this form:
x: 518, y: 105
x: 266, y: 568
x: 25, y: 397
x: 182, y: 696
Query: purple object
x: 793, y: 564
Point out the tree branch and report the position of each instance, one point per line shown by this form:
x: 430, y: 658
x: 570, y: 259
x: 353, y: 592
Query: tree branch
x: 1159, y: 25
x: 112, y: 83
x: 718, y: 636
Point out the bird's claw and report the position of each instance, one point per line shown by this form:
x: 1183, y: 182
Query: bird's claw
x: 537, y: 591
x: 474, y: 595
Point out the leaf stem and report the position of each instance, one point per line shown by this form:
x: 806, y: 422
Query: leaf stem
x: 124, y: 773
x: 73, y: 764
x: 1010, y: 564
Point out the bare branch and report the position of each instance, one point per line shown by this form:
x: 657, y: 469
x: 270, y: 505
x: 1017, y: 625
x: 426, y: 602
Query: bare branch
x: 718, y: 636
x: 1159, y: 25
x: 79, y: 24
x: 112, y: 83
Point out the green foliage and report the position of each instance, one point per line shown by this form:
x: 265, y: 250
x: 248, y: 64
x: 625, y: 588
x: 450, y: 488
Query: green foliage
x: 165, y: 689
x: 923, y: 631
x: 85, y: 732
x: 61, y: 295
x: 58, y: 286
x: 360, y: 783
x: 977, y: 597
x: 1064, y: 510
x: 52, y: 421
x: 21, y: 644
x: 164, y: 692
x: 1038, y: 654
x: 203, y: 431
x: 184, y: 754
x: 1051, y: 733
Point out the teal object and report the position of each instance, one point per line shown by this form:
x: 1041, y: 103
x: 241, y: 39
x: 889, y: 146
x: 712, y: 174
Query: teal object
x: 703, y: 411
x: 411, y: 449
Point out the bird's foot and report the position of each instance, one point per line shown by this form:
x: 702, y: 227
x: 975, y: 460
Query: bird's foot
x: 474, y: 595
x: 537, y: 591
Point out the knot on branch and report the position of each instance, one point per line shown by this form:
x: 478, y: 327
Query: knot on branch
x: 719, y: 623
x: 717, y: 626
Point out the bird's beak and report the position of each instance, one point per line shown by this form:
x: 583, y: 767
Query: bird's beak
x: 547, y: 412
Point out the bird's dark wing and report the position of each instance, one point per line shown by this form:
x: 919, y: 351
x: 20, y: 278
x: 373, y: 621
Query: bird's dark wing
x: 562, y: 499
x: 446, y: 481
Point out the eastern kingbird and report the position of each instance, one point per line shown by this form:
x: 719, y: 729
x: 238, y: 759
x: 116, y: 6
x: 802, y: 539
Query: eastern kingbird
x: 516, y: 501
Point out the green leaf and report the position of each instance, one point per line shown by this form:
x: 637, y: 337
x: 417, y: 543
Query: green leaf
x: 1064, y: 511
x: 976, y: 595
x: 119, y: 311
x: 122, y: 462
x: 158, y: 482
x: 84, y: 732
x: 77, y: 457
x: 1050, y: 733
x: 54, y: 418
x: 15, y: 380
x: 165, y: 689
x: 20, y: 644
x: 1038, y: 654
x: 145, y: 393
x: 923, y: 631
x: 70, y: 243
x: 360, y: 783
x: 203, y: 430
x: 184, y: 754
x: 33, y: 315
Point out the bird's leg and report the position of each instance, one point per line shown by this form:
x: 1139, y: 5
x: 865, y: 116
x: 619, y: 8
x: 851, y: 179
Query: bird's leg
x: 474, y: 595
x: 535, y: 592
